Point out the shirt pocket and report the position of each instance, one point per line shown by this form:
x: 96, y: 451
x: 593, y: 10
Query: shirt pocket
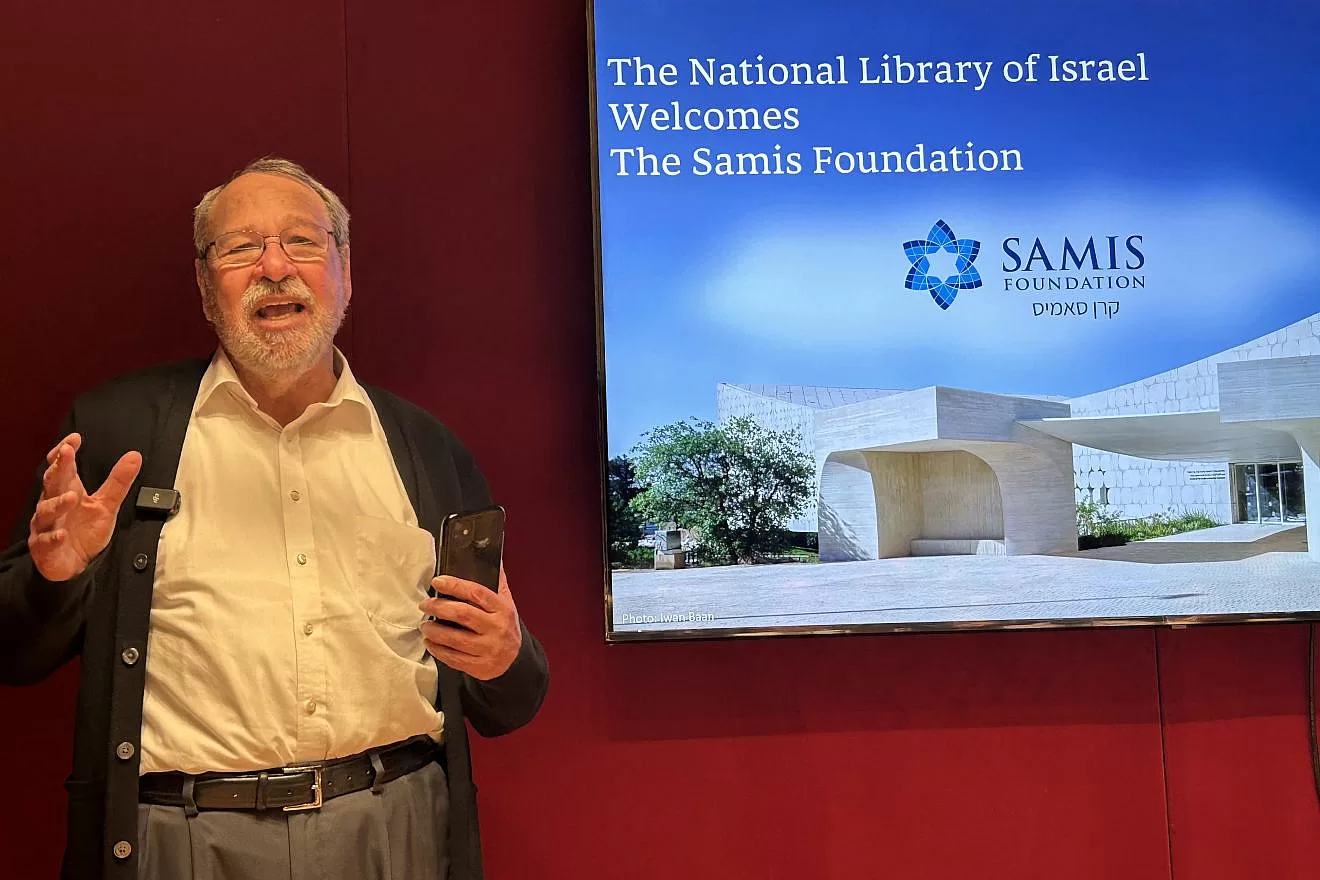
x: 393, y: 564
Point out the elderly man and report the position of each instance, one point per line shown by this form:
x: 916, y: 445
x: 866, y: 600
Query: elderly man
x: 262, y: 693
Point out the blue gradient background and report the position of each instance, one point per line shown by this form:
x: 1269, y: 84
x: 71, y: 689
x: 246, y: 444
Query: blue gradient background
x: 799, y: 279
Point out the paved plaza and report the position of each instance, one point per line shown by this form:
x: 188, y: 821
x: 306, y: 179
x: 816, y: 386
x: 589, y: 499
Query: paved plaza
x: 1265, y: 570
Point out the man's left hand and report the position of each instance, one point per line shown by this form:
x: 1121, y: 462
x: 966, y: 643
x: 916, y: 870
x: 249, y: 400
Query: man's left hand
x: 488, y: 643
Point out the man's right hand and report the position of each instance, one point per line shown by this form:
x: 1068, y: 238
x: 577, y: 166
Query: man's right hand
x: 70, y: 527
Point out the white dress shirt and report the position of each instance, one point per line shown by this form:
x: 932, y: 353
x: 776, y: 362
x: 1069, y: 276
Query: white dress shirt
x: 284, y: 622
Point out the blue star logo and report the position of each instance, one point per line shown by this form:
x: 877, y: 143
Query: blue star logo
x: 942, y: 290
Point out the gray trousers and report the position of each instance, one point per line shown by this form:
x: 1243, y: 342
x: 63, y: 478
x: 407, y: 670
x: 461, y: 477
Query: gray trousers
x: 398, y: 834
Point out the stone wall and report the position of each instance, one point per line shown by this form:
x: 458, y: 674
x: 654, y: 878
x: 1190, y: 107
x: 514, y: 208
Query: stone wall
x: 1133, y: 487
x: 1141, y: 487
x: 959, y: 497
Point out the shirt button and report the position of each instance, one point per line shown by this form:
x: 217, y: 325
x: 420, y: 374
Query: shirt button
x: 302, y: 558
x: 123, y: 849
x: 310, y: 707
x: 307, y: 629
x: 125, y: 751
x: 130, y: 656
x: 295, y: 495
x: 140, y: 562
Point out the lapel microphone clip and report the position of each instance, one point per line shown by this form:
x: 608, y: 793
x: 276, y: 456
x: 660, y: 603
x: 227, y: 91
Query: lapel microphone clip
x: 157, y: 503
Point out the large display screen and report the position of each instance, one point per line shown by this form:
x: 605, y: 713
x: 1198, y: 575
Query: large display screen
x: 946, y: 314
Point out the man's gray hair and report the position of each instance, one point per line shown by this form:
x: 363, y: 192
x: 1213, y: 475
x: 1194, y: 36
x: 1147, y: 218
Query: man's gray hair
x: 283, y: 168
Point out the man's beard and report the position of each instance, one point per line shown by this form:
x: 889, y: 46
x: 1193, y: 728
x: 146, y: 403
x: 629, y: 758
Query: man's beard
x: 278, y: 354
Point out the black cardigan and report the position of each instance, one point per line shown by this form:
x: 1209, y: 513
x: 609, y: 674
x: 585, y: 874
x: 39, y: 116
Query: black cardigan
x: 104, y: 613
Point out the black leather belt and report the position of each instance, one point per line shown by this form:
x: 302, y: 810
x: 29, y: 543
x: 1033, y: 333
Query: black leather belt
x: 300, y: 787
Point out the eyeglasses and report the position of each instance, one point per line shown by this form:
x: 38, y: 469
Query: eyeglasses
x: 304, y: 243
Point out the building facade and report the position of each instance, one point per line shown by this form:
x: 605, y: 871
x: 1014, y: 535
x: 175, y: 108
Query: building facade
x: 930, y: 471
x: 1229, y: 491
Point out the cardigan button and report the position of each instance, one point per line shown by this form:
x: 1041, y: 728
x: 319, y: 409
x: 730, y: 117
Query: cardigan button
x: 140, y: 562
x: 130, y: 656
x: 123, y: 849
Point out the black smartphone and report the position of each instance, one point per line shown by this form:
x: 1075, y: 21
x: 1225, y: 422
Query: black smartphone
x: 471, y: 546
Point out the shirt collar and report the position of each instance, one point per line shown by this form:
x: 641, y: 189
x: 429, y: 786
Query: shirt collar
x: 221, y: 374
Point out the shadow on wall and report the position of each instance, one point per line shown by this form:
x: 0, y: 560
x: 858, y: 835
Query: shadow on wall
x: 842, y: 541
x: 847, y: 521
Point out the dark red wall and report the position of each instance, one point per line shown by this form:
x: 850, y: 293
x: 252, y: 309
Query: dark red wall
x: 458, y: 135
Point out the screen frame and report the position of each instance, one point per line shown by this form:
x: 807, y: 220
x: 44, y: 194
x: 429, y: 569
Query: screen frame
x: 615, y: 636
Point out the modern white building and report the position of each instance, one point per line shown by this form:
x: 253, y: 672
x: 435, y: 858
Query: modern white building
x: 938, y: 471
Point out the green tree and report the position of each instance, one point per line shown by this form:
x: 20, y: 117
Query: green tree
x: 625, y: 523
x: 735, y: 485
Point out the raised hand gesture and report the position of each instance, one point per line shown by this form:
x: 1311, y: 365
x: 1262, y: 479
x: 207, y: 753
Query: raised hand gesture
x: 70, y: 526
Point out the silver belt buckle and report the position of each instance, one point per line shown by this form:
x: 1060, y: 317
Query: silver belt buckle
x: 318, y: 795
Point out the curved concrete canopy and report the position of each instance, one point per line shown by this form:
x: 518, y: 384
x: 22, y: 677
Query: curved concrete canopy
x: 1195, y: 436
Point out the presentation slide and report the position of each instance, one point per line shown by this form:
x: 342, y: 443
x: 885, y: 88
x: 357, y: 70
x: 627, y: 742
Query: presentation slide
x: 950, y: 315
